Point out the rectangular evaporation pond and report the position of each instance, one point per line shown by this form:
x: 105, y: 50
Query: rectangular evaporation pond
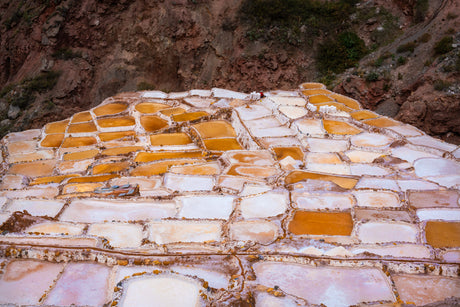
x: 93, y: 211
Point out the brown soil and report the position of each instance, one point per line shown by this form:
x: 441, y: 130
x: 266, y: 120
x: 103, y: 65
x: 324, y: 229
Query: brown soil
x: 105, y: 47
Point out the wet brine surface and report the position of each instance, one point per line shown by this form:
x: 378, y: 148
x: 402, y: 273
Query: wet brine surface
x: 210, y: 197
x: 319, y: 223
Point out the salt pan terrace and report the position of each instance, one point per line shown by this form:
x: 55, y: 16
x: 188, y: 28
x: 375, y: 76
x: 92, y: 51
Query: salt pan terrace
x: 214, y: 198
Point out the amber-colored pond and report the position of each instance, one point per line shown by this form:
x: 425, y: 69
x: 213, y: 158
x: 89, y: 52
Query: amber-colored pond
x: 51, y: 179
x: 338, y: 127
x: 116, y: 121
x: 185, y: 117
x: 344, y: 182
x: 381, y: 122
x: 363, y: 114
x: 100, y: 178
x: 346, y: 101
x: 319, y: 98
x: 282, y: 152
x: 110, y: 109
x: 110, y: 136
x: 121, y: 150
x: 56, y: 127
x: 151, y: 107
x: 80, y: 155
x: 172, y: 111
x: 315, y: 92
x: 159, y: 168
x: 163, y: 155
x: 82, y: 127
x: 222, y: 144
x: 52, y: 140
x: 321, y: 223
x: 110, y: 168
x: 78, y: 141
x: 215, y: 129
x: 81, y: 117
x: 153, y: 123
x: 179, y: 138
x: 442, y: 234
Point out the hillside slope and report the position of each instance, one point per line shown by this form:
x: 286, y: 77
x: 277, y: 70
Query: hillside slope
x: 59, y: 57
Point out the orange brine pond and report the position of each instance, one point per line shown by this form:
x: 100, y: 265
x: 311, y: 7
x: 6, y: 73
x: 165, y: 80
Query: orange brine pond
x: 173, y: 111
x: 52, y: 140
x: 110, y: 109
x: 339, y: 106
x: 163, y: 155
x: 282, y: 152
x: 78, y: 141
x: 321, y: 223
x: 80, y: 187
x: 110, y: 168
x: 312, y: 85
x: 381, y: 122
x: 346, y: 101
x: 215, y: 129
x: 115, y: 151
x: 82, y: 127
x: 316, y: 92
x: 344, y: 182
x: 81, y: 117
x: 80, y: 155
x: 338, y: 127
x: 163, y: 139
x: 319, y: 98
x: 52, y: 179
x: 153, y: 123
x: 110, y: 136
x: 33, y: 169
x: 100, y: 178
x: 56, y: 127
x: 151, y: 107
x: 158, y: 168
x: 121, y: 121
x: 252, y: 171
x: 442, y: 234
x: 363, y: 114
x: 222, y: 144
x: 185, y: 117
x: 198, y: 169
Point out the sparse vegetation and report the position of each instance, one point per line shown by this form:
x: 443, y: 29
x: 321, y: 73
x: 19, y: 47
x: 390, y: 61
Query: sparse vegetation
x: 42, y: 83
x: 145, y: 86
x: 295, y: 21
x: 372, y: 77
x: 425, y: 38
x: 444, y: 45
x: 341, y: 53
x: 421, y: 8
x: 378, y: 62
x: 23, y: 94
x: 441, y: 85
x: 66, y: 54
x: 451, y: 16
x: 401, y: 61
x: 409, y: 47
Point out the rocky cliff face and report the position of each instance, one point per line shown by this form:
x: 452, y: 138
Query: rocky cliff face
x: 59, y: 57
x: 416, y: 77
